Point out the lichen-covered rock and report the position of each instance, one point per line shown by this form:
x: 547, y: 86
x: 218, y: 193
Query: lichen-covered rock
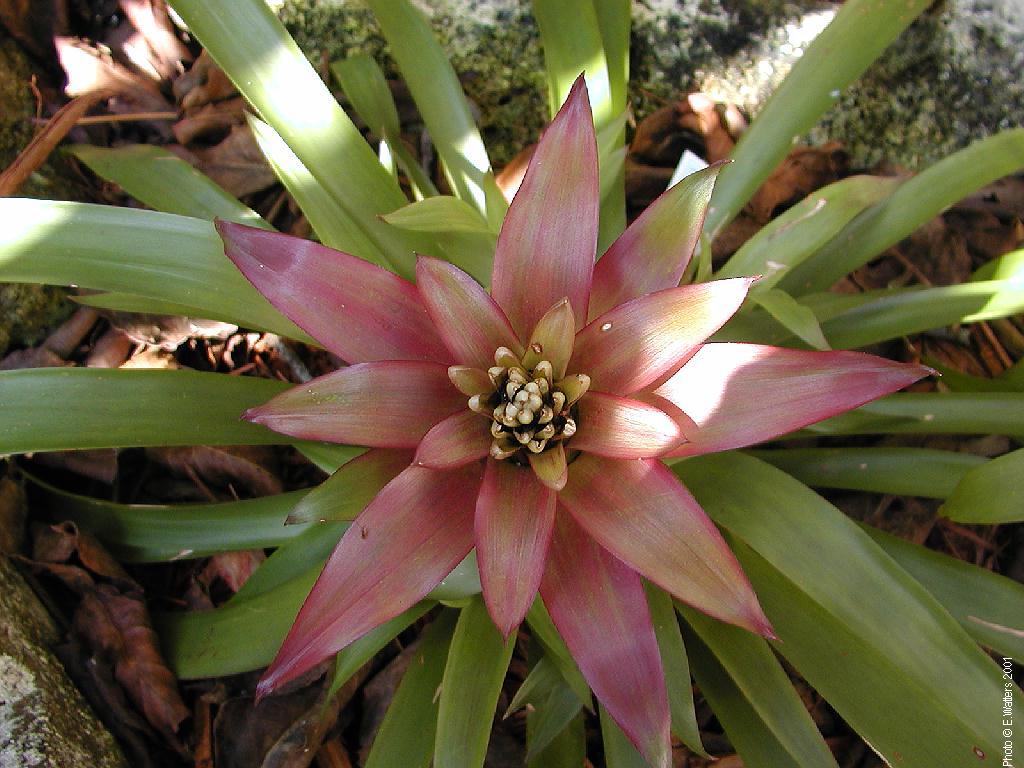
x: 953, y: 76
x: 44, y: 722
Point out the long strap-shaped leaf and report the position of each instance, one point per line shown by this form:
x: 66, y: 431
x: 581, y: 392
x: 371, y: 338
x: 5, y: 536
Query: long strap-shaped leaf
x: 148, y: 533
x: 128, y: 408
x: 989, y: 606
x: 439, y: 98
x: 861, y: 30
x: 477, y: 662
x: 406, y: 736
x: 165, y: 182
x: 924, y: 472
x: 256, y: 52
x: 910, y: 413
x: 574, y: 37
x: 174, y: 259
x: 752, y: 695
x: 851, y: 621
x: 915, y: 202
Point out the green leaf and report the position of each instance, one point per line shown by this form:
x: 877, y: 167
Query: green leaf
x: 463, y: 235
x: 165, y: 182
x: 348, y: 661
x: 858, y: 34
x: 477, y: 662
x: 792, y: 315
x: 789, y: 239
x: 129, y: 302
x: 888, y: 316
x: 573, y: 40
x: 988, y: 606
x: 366, y: 87
x: 547, y: 693
x: 175, y: 259
x: 292, y: 560
x: 148, y: 533
x: 958, y: 381
x: 567, y: 750
x: 440, y: 214
x: 439, y: 98
x: 752, y: 696
x: 237, y: 637
x: 924, y: 472
x: 914, y: 203
x: 332, y: 226
x: 833, y: 594
x: 129, y: 408
x: 257, y: 54
x: 1006, y: 267
x: 910, y: 413
x: 619, y: 752
x: 990, y: 493
x: 677, y: 668
x: 406, y: 735
x: 544, y: 631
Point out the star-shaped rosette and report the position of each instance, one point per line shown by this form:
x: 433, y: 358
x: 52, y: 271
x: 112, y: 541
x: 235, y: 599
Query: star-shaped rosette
x: 530, y: 423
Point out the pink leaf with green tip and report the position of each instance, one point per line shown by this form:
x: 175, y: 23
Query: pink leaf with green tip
x: 740, y: 394
x: 390, y: 404
x: 514, y: 517
x: 600, y: 610
x: 638, y: 342
x: 548, y: 243
x: 346, y: 493
x: 652, y: 254
x: 639, y: 511
x: 402, y: 545
x: 357, y: 310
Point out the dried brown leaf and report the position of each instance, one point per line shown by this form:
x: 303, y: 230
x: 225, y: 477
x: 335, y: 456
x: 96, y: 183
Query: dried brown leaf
x: 248, y: 470
x: 116, y: 627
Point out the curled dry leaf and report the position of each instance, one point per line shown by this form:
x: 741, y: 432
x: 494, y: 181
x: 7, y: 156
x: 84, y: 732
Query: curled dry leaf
x: 803, y: 171
x: 112, y: 622
x: 116, y: 629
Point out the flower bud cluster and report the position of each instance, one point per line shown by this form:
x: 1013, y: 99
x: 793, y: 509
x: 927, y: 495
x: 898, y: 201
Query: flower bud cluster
x: 528, y: 409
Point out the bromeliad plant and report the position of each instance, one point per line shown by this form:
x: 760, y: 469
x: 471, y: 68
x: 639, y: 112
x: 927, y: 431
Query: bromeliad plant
x: 558, y: 424
x: 552, y: 472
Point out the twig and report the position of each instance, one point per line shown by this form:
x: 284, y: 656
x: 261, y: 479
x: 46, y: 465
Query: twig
x: 125, y: 118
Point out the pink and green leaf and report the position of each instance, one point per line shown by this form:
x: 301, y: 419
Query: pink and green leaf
x: 355, y: 309
x: 548, y: 242
x: 584, y: 586
x: 346, y: 493
x: 637, y: 343
x: 390, y: 404
x: 640, y: 512
x: 741, y: 394
x: 409, y: 538
x: 514, y: 517
x: 552, y: 339
x: 652, y: 254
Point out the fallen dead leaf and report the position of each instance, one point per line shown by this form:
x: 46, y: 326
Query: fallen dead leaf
x: 247, y: 470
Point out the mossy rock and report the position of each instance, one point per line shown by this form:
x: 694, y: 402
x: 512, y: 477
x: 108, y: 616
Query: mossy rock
x: 27, y: 312
x: 738, y: 50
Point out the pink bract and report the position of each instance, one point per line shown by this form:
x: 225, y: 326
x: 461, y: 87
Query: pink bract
x: 578, y: 380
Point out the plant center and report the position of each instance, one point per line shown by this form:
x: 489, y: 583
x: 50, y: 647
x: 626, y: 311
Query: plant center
x: 529, y: 410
